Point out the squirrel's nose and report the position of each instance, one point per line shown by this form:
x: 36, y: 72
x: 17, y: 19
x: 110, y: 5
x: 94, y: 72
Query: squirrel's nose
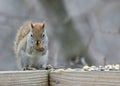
x: 37, y: 42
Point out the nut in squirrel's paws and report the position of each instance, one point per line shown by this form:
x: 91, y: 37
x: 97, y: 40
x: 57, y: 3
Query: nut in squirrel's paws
x: 40, y: 47
x: 29, y: 68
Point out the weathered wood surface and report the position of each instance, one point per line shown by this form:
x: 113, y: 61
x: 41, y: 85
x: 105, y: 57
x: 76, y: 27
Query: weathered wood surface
x: 24, y: 78
x: 92, y: 78
x: 40, y: 78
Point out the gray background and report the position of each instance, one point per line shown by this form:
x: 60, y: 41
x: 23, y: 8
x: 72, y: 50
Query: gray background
x: 88, y: 29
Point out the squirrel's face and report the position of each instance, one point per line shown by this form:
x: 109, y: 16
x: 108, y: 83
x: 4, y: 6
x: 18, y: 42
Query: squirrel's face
x: 38, y: 36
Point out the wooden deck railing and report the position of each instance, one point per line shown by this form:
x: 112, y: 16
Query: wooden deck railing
x: 24, y: 78
x: 91, y: 78
x: 40, y: 78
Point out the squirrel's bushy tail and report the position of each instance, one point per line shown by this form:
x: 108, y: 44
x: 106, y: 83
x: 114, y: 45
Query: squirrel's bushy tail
x: 22, y: 32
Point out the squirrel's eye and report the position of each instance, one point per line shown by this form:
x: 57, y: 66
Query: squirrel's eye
x: 43, y: 35
x: 31, y: 35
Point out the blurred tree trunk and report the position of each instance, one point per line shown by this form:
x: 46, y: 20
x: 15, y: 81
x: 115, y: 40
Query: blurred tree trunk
x: 64, y: 31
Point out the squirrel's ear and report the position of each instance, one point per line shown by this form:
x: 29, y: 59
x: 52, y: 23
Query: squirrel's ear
x: 31, y: 25
x: 43, y: 24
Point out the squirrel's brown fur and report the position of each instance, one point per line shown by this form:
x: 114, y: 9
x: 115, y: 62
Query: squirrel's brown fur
x: 22, y: 32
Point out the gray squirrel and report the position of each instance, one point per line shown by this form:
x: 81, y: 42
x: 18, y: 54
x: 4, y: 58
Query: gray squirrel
x: 31, y: 46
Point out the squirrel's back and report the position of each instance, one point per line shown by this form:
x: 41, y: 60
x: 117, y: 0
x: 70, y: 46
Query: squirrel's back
x: 22, y: 32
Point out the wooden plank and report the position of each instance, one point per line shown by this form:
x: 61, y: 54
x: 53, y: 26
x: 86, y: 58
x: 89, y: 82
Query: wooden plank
x: 24, y: 78
x: 90, y: 78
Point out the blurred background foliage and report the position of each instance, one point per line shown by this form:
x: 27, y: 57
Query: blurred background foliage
x: 81, y: 32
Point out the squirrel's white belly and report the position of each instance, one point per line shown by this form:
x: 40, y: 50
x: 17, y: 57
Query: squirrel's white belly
x: 39, y: 60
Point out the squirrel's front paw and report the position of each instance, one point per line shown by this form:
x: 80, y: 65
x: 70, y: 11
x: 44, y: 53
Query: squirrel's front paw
x: 49, y: 67
x: 25, y: 68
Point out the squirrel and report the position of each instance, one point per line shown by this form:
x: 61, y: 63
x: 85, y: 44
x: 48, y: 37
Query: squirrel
x: 31, y: 46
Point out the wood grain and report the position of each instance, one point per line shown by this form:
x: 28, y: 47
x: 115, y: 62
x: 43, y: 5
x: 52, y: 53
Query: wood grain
x: 40, y: 78
x: 24, y: 78
x: 91, y: 78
